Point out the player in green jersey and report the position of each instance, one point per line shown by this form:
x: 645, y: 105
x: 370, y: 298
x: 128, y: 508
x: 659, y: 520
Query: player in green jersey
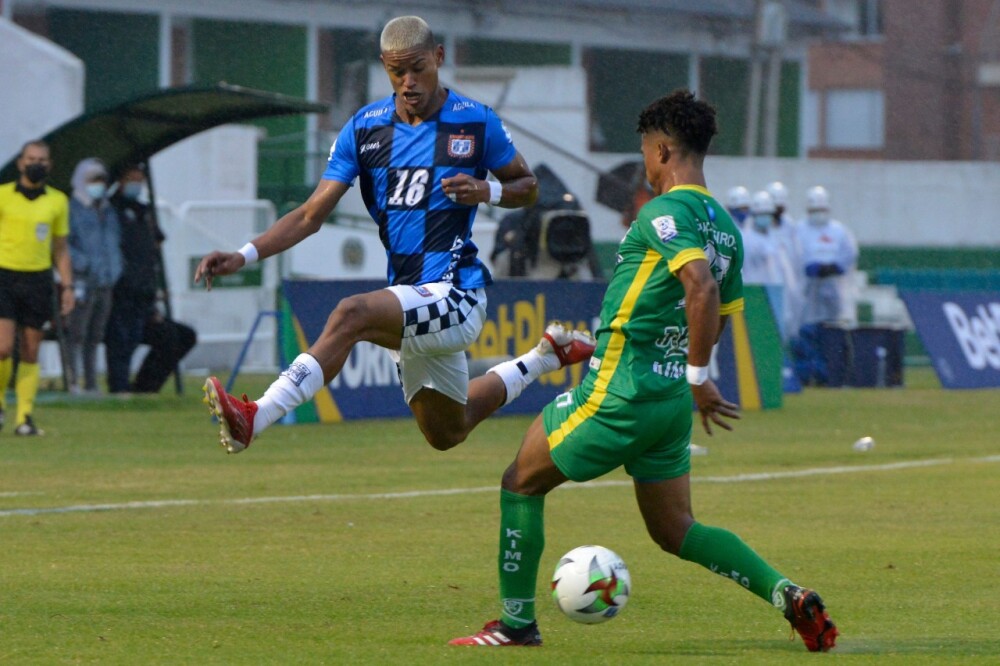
x: 676, y: 281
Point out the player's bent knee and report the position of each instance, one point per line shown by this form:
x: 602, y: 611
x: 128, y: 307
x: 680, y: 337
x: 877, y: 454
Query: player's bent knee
x: 349, y: 317
x: 442, y: 441
x: 440, y: 434
x: 669, y: 535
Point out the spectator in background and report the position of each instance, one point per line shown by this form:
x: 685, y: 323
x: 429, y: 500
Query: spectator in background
x: 34, y: 223
x: 94, y: 242
x: 785, y: 235
x: 738, y: 204
x: 779, y: 193
x: 134, y: 317
x: 760, y: 261
x: 829, y: 257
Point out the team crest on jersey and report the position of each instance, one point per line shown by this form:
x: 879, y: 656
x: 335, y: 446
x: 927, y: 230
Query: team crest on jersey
x: 41, y: 231
x: 665, y: 227
x: 461, y: 145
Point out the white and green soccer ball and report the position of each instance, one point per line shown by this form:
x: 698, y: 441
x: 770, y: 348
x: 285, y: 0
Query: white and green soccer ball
x: 591, y: 584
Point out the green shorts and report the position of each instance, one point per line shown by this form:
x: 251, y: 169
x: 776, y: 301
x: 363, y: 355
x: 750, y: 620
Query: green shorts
x: 590, y: 435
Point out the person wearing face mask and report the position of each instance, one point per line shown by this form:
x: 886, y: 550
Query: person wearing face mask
x: 94, y: 241
x: 34, y: 224
x: 785, y: 235
x: 738, y: 204
x: 134, y: 316
x: 760, y: 262
x: 829, y: 256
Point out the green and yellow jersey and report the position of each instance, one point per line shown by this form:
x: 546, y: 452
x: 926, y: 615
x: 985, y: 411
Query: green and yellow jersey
x: 27, y: 227
x: 642, y: 341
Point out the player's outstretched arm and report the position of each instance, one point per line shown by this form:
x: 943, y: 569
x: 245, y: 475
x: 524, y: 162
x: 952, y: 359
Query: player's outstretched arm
x: 289, y: 230
x: 701, y: 303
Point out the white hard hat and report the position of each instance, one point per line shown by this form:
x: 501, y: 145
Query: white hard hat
x: 762, y: 203
x: 738, y: 197
x: 779, y: 193
x: 817, y: 198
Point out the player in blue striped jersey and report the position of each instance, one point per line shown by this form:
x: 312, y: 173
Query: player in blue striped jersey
x: 421, y: 157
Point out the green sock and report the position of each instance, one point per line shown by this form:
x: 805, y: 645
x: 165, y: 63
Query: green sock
x: 724, y: 553
x: 522, y: 539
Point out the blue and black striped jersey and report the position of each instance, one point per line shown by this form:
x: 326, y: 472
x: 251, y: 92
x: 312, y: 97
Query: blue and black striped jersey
x: 427, y: 236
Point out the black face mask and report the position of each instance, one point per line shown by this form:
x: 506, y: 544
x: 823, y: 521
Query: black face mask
x: 36, y: 173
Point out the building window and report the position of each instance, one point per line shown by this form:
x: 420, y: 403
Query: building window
x: 864, y: 15
x: 855, y: 119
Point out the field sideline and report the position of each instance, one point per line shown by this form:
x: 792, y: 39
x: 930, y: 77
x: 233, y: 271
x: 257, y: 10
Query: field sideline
x: 130, y: 537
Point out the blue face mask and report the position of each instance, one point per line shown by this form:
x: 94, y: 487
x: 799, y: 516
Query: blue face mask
x: 762, y: 222
x: 132, y: 190
x: 96, y: 190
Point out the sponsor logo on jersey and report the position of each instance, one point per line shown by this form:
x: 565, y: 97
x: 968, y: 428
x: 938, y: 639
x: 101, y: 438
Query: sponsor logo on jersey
x: 665, y: 227
x: 459, y: 106
x: 461, y: 145
x: 423, y: 291
x: 374, y: 145
x: 375, y: 113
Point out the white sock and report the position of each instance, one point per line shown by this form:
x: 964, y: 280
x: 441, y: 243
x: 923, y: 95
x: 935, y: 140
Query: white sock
x: 521, y: 371
x: 297, y: 384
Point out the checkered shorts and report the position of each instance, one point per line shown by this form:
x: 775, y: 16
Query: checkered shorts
x: 438, y: 318
x: 439, y: 324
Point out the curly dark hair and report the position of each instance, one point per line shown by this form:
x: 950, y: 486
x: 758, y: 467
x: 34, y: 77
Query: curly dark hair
x: 680, y: 115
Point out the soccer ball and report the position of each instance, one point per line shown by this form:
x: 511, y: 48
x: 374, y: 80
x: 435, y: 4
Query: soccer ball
x: 591, y: 584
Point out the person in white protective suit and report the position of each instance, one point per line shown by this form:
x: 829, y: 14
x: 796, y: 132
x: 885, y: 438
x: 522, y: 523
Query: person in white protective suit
x: 784, y: 230
x: 738, y: 204
x: 760, y: 260
x: 829, y: 258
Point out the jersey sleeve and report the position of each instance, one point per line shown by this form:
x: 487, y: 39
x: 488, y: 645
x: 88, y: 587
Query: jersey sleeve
x: 500, y: 149
x: 343, y: 162
x: 671, y: 231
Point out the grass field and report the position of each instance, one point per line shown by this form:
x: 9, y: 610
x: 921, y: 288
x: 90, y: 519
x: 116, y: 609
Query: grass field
x: 128, y: 537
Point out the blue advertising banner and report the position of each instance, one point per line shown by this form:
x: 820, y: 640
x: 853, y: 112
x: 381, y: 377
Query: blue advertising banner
x: 517, y: 311
x: 961, y: 332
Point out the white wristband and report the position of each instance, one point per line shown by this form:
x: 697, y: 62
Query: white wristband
x: 696, y: 375
x: 249, y: 252
x: 496, y: 192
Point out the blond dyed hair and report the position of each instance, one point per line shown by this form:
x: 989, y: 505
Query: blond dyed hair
x: 406, y: 33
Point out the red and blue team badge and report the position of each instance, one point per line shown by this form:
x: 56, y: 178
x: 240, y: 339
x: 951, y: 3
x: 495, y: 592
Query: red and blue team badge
x: 461, y: 145
x: 423, y: 291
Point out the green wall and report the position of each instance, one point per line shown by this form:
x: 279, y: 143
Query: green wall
x: 120, y: 52
x: 623, y: 83
x: 265, y: 57
x: 510, y: 53
x: 725, y: 83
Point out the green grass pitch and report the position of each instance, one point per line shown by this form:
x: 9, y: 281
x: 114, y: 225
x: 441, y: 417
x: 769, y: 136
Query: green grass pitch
x: 127, y: 536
